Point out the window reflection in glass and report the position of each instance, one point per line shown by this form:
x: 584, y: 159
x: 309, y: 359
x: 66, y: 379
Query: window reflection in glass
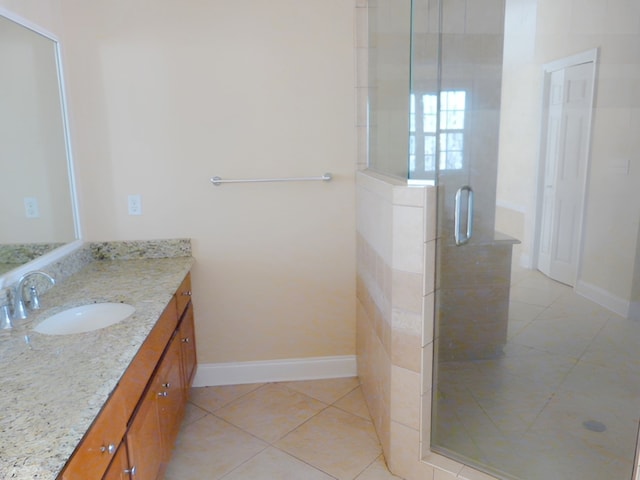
x: 442, y: 135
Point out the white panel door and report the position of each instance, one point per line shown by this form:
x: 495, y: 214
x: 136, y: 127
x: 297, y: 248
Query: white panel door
x: 566, y: 159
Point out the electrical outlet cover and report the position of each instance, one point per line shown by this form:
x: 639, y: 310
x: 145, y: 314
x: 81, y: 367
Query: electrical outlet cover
x: 135, y: 205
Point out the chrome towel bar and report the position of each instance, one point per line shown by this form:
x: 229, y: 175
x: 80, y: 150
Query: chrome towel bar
x: 218, y: 181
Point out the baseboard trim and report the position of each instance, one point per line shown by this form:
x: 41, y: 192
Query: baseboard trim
x: 604, y: 298
x: 293, y: 369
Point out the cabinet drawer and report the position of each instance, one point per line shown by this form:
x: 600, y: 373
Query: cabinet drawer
x: 97, y: 448
x: 183, y: 294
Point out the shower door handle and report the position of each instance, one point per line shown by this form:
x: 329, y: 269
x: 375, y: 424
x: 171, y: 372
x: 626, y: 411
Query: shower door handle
x: 460, y: 240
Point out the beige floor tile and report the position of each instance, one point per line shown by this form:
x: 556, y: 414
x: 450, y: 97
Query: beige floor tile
x: 339, y: 443
x: 616, y: 345
x: 326, y: 390
x: 271, y: 411
x: 273, y: 464
x: 192, y: 414
x: 213, y: 398
x: 566, y: 363
x: 521, y: 314
x: 353, y: 402
x: 209, y: 448
x: 569, y: 336
x: 377, y: 471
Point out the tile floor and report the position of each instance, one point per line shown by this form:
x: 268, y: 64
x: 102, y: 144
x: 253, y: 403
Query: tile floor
x: 309, y: 430
x: 567, y: 361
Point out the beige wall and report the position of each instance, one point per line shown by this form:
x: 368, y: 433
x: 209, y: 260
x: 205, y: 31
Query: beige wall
x: 43, y: 13
x: 164, y: 96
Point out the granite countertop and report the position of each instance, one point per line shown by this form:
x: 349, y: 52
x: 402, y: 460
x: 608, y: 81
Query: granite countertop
x: 54, y: 386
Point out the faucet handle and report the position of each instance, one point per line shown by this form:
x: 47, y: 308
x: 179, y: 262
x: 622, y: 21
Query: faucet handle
x: 5, y: 318
x: 5, y: 312
x: 34, y: 299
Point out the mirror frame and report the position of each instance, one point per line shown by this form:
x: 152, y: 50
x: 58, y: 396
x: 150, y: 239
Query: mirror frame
x: 41, y: 262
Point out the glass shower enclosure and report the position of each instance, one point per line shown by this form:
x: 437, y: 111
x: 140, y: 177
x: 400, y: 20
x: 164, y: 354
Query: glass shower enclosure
x: 524, y: 114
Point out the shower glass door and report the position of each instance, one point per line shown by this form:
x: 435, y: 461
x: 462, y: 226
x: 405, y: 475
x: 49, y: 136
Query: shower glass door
x: 532, y: 107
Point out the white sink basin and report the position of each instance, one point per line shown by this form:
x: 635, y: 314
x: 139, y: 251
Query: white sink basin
x: 85, y: 318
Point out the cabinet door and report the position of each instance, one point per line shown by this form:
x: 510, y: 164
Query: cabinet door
x: 96, y: 451
x: 119, y: 468
x: 144, y: 444
x: 187, y: 335
x: 183, y: 294
x: 169, y: 394
x: 138, y: 375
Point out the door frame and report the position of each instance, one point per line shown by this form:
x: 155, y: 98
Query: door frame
x: 589, y: 56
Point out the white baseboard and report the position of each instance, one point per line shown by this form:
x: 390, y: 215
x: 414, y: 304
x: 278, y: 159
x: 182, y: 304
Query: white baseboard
x: 293, y: 369
x: 604, y: 298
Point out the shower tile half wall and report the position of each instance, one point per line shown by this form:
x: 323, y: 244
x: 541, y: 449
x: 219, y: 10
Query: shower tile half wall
x: 395, y: 288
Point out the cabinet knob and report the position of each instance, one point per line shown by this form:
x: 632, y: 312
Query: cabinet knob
x: 186, y: 340
x: 131, y: 471
x: 166, y: 385
x: 110, y: 449
x: 186, y: 294
x: 163, y: 394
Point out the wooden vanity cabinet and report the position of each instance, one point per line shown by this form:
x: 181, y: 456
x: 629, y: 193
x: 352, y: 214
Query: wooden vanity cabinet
x: 133, y: 436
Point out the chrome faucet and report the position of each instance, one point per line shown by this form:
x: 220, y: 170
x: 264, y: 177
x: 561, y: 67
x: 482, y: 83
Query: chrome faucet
x: 19, y: 311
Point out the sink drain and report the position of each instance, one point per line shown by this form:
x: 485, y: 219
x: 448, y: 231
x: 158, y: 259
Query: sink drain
x: 594, y: 426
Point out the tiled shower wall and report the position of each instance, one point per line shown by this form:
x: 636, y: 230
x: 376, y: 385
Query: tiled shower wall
x: 394, y: 328
x: 396, y: 246
x: 393, y: 243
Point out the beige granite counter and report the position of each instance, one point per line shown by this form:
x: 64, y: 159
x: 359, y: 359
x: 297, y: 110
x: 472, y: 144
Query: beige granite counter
x: 54, y: 386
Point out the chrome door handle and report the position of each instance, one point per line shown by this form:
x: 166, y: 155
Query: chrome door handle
x: 460, y: 240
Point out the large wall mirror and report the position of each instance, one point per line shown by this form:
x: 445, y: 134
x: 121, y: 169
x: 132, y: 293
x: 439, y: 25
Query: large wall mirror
x: 38, y: 210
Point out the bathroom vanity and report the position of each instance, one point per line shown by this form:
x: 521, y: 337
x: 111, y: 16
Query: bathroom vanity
x: 106, y: 403
x: 139, y: 423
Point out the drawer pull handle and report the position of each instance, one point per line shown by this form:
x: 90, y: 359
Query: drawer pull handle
x: 131, y: 471
x: 110, y: 449
x: 186, y: 340
x: 163, y: 394
x: 166, y: 385
x: 186, y: 294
